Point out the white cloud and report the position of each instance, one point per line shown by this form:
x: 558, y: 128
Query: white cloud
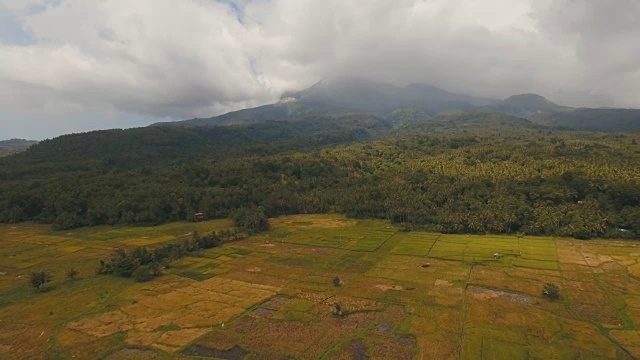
x: 21, y: 5
x: 191, y: 58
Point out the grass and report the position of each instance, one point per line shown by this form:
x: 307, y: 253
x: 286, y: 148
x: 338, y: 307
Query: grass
x: 145, y: 235
x: 168, y: 327
x: 413, y: 244
x: 367, y: 235
x: 466, y: 304
x: 192, y: 274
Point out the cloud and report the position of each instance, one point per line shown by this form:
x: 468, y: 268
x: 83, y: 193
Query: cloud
x: 188, y: 58
x: 159, y: 58
x: 21, y: 5
x: 605, y: 37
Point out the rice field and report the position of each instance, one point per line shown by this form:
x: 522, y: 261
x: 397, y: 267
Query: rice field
x: 403, y: 295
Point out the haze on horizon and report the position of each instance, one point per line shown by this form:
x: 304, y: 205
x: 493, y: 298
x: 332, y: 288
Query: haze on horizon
x: 78, y: 65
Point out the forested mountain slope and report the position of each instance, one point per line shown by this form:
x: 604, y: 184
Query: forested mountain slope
x: 624, y: 120
x: 472, y: 172
x: 150, y: 146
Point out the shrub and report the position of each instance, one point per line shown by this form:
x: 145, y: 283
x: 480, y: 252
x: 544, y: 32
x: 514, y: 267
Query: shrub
x: 39, y: 279
x: 583, y: 235
x: 551, y: 291
x: 72, y: 274
x: 142, y: 274
x: 336, y: 310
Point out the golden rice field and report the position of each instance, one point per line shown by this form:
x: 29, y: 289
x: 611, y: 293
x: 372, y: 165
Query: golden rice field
x: 404, y: 295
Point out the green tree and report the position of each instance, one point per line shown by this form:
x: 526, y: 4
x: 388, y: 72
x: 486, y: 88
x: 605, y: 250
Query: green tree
x: 123, y: 264
x: 551, y: 291
x: 39, y: 279
x: 252, y: 219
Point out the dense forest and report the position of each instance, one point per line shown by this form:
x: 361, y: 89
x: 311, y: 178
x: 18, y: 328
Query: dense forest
x: 459, y: 172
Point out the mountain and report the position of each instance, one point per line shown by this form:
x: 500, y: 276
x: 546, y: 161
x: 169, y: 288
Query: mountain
x: 528, y: 104
x: 403, y: 105
x: 532, y: 102
x: 339, y: 96
x: 357, y: 94
x: 8, y: 147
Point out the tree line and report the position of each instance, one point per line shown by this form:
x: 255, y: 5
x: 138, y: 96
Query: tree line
x: 143, y: 263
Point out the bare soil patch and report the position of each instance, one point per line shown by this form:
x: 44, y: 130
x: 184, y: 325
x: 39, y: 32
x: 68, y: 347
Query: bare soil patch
x: 275, y: 303
x: 263, y: 312
x: 385, y: 327
x: 392, y: 347
x: 358, y: 350
x: 390, y: 287
x: 353, y: 350
x: 295, y: 222
x: 245, y: 324
x: 484, y: 294
x: 283, y: 336
x: 443, y: 283
x: 391, y: 317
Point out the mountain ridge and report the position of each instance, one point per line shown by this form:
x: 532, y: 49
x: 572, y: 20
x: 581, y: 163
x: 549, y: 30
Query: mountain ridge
x: 339, y: 96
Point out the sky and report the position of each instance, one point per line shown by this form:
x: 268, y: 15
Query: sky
x: 79, y: 65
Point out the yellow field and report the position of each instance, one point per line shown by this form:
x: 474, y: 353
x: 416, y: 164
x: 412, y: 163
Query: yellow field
x: 404, y: 295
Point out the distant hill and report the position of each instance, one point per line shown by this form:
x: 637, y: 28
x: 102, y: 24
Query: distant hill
x: 586, y: 119
x: 532, y: 102
x: 527, y: 106
x: 8, y: 147
x: 273, y: 112
x: 415, y: 102
x: 136, y: 147
x: 544, y: 112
